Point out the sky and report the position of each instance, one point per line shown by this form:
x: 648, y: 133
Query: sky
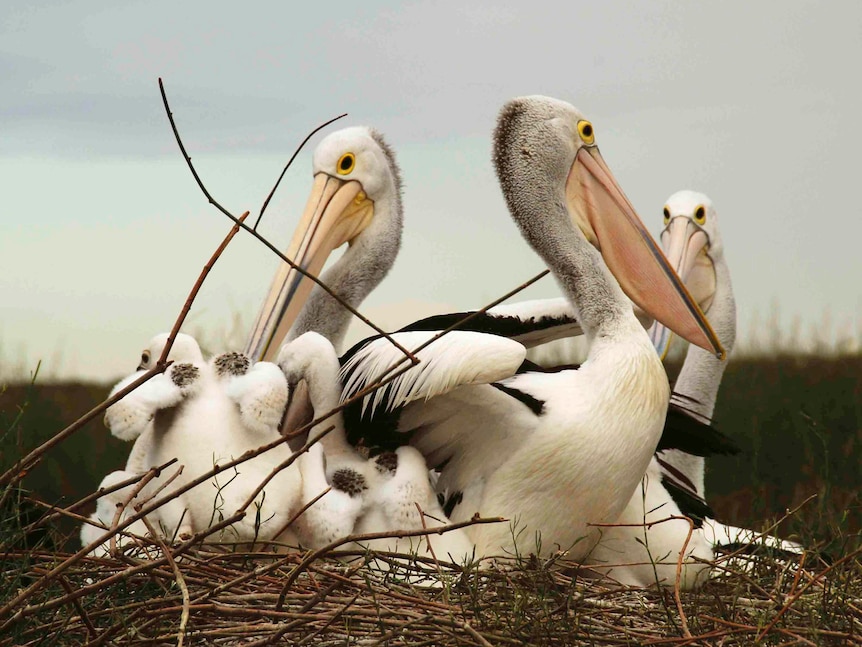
x: 755, y: 104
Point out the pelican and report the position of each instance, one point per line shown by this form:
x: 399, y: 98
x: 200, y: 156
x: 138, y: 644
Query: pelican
x: 693, y: 242
x: 674, y: 481
x: 551, y: 451
x: 129, y: 418
x: 388, y: 493
x: 204, y: 414
x: 355, y: 199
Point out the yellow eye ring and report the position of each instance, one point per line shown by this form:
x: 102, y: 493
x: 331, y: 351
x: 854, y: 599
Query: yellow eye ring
x: 585, y: 130
x: 666, y: 215
x: 346, y: 164
x: 700, y: 215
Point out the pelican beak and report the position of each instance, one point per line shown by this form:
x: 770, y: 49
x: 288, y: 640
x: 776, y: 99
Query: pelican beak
x: 687, y: 249
x: 609, y: 221
x: 336, y: 212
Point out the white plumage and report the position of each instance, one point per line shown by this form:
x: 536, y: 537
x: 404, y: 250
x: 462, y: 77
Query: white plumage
x: 204, y: 414
x: 395, y: 504
x: 458, y: 358
x: 128, y: 418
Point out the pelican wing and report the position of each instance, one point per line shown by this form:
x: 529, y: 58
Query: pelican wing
x: 683, y: 430
x: 688, y: 502
x: 530, y: 323
x: 456, y: 359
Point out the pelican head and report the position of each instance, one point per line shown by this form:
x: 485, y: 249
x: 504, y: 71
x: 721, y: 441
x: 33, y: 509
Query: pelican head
x: 544, y: 145
x: 693, y: 246
x: 184, y: 350
x: 355, y: 199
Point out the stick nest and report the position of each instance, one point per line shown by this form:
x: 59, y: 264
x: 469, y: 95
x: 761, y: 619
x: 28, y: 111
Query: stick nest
x: 210, y: 595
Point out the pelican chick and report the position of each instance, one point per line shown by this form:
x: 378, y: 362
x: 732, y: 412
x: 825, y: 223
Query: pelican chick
x: 207, y: 414
x: 259, y: 390
x: 130, y: 417
x: 407, y: 501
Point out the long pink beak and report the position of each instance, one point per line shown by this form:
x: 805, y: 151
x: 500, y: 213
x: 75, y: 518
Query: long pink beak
x: 631, y: 254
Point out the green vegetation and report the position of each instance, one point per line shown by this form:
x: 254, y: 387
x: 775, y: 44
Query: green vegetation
x: 799, y: 422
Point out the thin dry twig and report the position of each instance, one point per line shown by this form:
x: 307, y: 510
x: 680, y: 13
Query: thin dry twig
x: 289, y: 162
x: 315, y: 554
x: 180, y: 580
x: 56, y: 513
x: 22, y: 466
x: 82, y: 613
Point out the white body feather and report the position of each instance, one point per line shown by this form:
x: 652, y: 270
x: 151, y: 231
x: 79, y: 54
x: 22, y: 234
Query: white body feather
x: 202, y: 419
x: 207, y: 430
x: 386, y: 502
x: 456, y: 359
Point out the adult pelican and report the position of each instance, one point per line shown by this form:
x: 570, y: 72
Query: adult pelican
x: 388, y: 493
x: 694, y: 245
x: 355, y: 199
x: 674, y: 482
x: 551, y: 451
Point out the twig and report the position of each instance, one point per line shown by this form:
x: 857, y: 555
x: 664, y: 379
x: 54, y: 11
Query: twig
x: 679, y: 562
x: 332, y: 619
x: 766, y: 532
x: 280, y: 467
x: 82, y: 614
x: 198, y: 284
x: 98, y: 494
x: 180, y: 580
x: 141, y: 568
x: 301, y: 511
x: 428, y: 539
x: 289, y: 162
x: 118, y: 513
x: 22, y: 466
x: 388, y: 375
x: 793, y: 598
x: 313, y: 555
x: 466, y: 627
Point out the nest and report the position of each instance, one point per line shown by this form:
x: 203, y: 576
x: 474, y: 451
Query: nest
x: 204, y: 594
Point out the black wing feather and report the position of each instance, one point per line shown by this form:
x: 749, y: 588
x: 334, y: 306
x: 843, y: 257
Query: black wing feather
x: 682, y: 431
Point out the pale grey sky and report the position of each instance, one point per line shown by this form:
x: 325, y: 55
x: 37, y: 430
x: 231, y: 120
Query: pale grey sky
x: 755, y: 104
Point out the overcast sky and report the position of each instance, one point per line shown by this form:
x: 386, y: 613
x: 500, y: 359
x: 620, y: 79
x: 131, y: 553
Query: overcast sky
x: 756, y: 104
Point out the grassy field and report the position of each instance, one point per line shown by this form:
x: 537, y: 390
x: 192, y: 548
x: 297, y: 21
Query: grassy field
x: 798, y: 420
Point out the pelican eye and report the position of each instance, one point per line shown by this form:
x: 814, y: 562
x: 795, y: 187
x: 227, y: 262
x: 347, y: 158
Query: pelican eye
x: 346, y: 164
x: 700, y: 214
x: 585, y: 130
x: 666, y: 215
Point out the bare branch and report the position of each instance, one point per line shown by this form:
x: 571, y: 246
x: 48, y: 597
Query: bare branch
x: 289, y: 162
